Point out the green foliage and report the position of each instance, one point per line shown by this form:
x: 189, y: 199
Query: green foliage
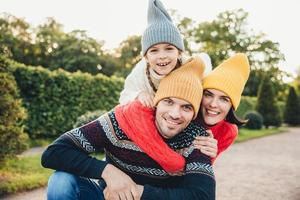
x: 12, y: 137
x: 247, y: 134
x: 292, y: 108
x: 255, y: 120
x: 55, y: 99
x: 246, y: 104
x: 24, y: 173
x: 228, y: 33
x: 88, y: 117
x: 267, y: 105
x: 15, y: 37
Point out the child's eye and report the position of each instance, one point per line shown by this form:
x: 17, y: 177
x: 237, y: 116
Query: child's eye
x: 153, y: 50
x: 170, y: 48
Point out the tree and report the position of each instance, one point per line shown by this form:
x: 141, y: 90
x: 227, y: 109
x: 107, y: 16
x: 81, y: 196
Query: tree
x: 12, y: 137
x: 292, y: 108
x: 266, y: 104
x: 15, y: 40
x: 228, y: 34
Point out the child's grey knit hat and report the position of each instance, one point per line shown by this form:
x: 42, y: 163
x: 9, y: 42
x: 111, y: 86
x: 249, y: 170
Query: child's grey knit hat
x: 160, y: 28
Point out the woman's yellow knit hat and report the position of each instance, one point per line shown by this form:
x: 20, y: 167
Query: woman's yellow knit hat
x: 230, y: 77
x: 184, y: 83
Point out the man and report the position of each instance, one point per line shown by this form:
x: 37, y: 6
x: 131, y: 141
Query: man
x: 135, y: 168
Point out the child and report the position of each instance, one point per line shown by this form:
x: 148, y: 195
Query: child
x: 162, y: 49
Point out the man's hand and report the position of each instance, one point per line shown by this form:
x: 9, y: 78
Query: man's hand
x: 207, y: 145
x: 119, y: 185
x: 146, y: 99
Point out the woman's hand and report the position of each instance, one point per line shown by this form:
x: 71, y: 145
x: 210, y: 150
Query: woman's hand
x: 207, y: 145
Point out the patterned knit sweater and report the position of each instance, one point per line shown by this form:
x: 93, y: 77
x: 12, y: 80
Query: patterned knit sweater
x: 70, y: 152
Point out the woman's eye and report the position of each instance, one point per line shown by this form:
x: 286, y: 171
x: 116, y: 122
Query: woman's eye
x: 224, y: 99
x: 207, y: 94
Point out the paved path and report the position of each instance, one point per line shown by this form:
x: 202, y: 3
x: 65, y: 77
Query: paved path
x: 261, y: 169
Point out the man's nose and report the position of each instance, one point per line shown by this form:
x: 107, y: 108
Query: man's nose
x: 175, y: 112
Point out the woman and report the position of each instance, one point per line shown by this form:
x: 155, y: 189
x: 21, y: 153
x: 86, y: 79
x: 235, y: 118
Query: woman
x: 222, y: 93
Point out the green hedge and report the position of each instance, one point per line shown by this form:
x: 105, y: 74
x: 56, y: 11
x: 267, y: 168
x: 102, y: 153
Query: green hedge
x: 13, y: 139
x: 55, y: 99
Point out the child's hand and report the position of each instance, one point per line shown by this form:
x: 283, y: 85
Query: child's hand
x: 207, y: 145
x: 146, y: 99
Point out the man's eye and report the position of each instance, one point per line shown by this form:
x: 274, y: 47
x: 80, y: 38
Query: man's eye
x: 187, y: 108
x: 168, y: 101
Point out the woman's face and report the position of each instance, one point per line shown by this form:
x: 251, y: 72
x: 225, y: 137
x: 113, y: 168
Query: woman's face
x: 215, y: 106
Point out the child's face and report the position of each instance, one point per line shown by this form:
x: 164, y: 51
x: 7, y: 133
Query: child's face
x: 162, y: 58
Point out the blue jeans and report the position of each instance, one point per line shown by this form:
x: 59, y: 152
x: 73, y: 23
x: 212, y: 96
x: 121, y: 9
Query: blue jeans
x: 66, y: 186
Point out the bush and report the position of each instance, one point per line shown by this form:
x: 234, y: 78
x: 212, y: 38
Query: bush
x: 292, y: 108
x: 267, y: 105
x: 255, y: 120
x: 13, y: 140
x: 247, y: 104
x: 55, y: 99
x: 88, y: 117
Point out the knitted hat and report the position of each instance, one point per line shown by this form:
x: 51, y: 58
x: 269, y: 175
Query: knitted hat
x: 183, y: 83
x: 160, y: 28
x: 230, y: 77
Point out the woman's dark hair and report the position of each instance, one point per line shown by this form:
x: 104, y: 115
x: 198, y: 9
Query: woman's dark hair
x: 234, y: 119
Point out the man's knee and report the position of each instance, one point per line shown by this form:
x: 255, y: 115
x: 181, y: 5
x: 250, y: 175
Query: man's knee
x: 61, y: 185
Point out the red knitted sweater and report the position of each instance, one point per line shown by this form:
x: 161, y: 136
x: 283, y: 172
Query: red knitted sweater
x: 225, y: 133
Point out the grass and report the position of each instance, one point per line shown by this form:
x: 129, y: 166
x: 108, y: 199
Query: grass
x: 40, y: 142
x: 22, y: 173
x: 25, y: 173
x: 247, y: 134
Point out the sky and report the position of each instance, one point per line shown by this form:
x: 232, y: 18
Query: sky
x: 114, y: 20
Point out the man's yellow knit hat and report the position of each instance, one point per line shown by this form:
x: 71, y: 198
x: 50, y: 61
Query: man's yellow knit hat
x: 184, y: 83
x: 230, y: 77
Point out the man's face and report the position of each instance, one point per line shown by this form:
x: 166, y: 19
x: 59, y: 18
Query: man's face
x: 172, y: 116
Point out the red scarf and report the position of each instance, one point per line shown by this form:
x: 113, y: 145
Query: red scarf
x: 138, y: 123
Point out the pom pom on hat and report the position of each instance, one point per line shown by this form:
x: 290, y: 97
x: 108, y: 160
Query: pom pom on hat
x: 230, y: 77
x: 160, y: 28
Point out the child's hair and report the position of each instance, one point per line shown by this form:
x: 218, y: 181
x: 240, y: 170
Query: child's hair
x: 160, y: 28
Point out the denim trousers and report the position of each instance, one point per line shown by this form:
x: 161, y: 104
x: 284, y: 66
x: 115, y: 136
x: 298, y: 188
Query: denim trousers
x: 66, y: 186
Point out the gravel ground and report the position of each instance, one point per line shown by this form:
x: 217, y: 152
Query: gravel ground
x: 261, y: 169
